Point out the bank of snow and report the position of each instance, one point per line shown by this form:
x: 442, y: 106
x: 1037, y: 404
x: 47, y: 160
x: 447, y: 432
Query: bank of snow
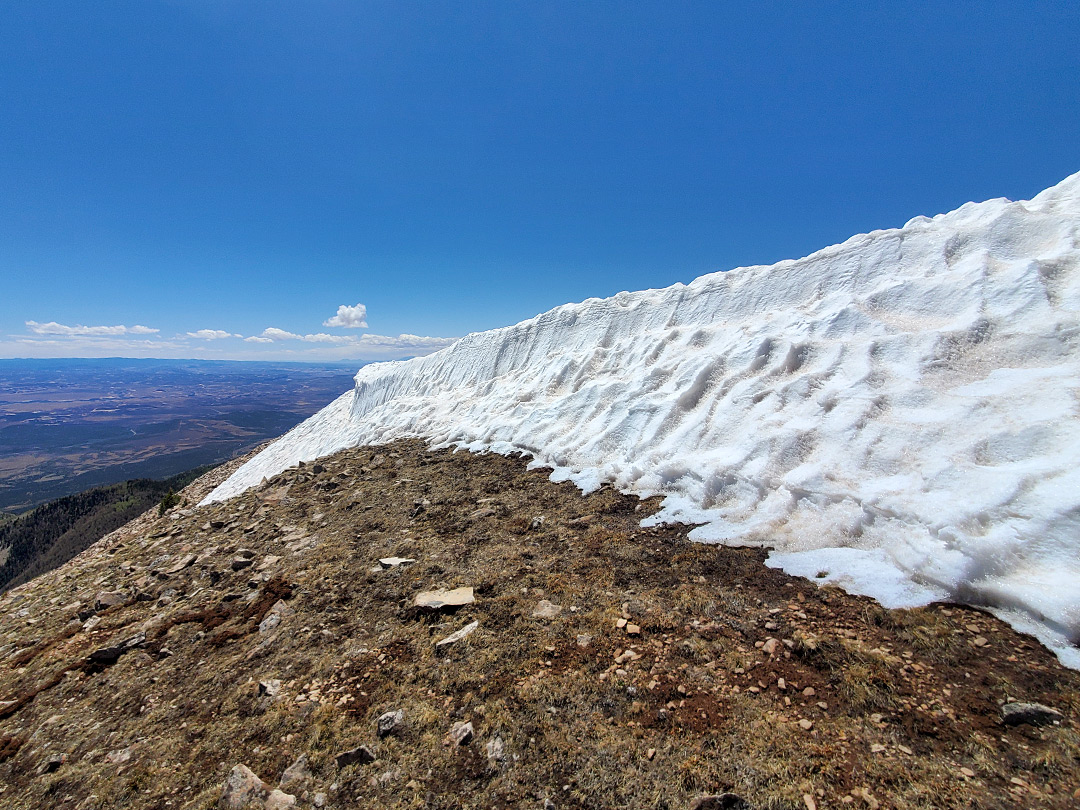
x: 898, y: 414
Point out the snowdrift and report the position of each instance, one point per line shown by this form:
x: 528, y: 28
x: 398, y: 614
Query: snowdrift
x: 898, y: 414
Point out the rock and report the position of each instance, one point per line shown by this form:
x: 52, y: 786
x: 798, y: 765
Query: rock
x: 461, y: 733
x: 355, y: 756
x: 119, y: 756
x: 496, y: 751
x: 394, y: 562
x: 179, y: 565
x: 390, y: 723
x: 52, y: 764
x: 269, y: 622
x: 240, y: 563
x: 769, y: 647
x: 108, y: 599
x: 444, y: 600
x: 279, y: 800
x: 546, y: 610
x: 584, y: 640
x: 105, y: 656
x: 722, y: 801
x: 319, y: 800
x: 269, y: 688
x: 537, y: 522
x: 242, y: 787
x: 1035, y: 714
x: 633, y: 630
x: 459, y: 635
x: 298, y: 774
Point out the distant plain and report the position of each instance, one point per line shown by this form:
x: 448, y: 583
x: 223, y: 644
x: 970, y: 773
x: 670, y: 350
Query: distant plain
x: 68, y: 425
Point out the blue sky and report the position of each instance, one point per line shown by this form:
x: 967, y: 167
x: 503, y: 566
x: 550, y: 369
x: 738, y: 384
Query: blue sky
x: 175, y: 172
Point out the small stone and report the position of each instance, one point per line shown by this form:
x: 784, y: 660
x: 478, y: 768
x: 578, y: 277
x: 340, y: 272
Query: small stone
x: 298, y: 774
x: 279, y: 800
x: 980, y: 641
x: 620, y: 623
x: 1035, y: 714
x: 537, y: 522
x: 967, y: 772
x: 390, y: 723
x: 809, y: 692
x: 179, y: 565
x: 52, y: 764
x: 269, y: 688
x: 496, y: 751
x: 444, y: 600
x: 242, y: 787
x: 877, y: 748
x: 781, y: 684
x: 633, y: 630
x: 808, y: 800
x: 584, y: 640
x: 546, y: 610
x: 459, y: 635
x: 108, y: 599
x: 319, y: 800
x: 270, y: 622
x: 240, y: 563
x: 805, y: 724
x: 650, y: 754
x: 769, y: 647
x: 119, y: 756
x: 461, y: 733
x: 722, y: 801
x: 355, y: 756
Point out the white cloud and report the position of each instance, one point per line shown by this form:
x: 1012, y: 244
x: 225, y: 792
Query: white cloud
x: 273, y: 333
x: 54, y: 328
x: 257, y: 339
x: 211, y: 334
x: 349, y: 317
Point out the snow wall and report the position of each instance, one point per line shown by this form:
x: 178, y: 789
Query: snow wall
x: 898, y: 415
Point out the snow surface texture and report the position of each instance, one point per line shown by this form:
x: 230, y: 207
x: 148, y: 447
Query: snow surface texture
x: 898, y: 414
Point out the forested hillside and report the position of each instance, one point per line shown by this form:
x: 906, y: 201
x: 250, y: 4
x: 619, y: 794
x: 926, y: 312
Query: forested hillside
x: 53, y: 533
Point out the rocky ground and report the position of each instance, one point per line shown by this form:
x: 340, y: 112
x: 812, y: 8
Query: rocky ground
x: 393, y: 627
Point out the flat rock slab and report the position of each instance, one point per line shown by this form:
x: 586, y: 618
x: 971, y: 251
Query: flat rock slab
x: 394, y: 562
x: 444, y: 600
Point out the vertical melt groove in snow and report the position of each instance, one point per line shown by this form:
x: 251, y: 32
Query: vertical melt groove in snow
x: 898, y: 414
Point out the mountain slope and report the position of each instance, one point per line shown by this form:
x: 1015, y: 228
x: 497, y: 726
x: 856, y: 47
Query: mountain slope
x: 899, y: 411
x: 597, y: 664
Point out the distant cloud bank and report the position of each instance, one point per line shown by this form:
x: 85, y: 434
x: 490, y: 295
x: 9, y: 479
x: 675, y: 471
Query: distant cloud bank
x: 53, y: 339
x: 54, y: 328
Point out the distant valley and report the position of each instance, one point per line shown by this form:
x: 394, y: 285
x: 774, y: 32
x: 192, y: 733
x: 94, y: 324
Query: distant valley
x: 69, y: 425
